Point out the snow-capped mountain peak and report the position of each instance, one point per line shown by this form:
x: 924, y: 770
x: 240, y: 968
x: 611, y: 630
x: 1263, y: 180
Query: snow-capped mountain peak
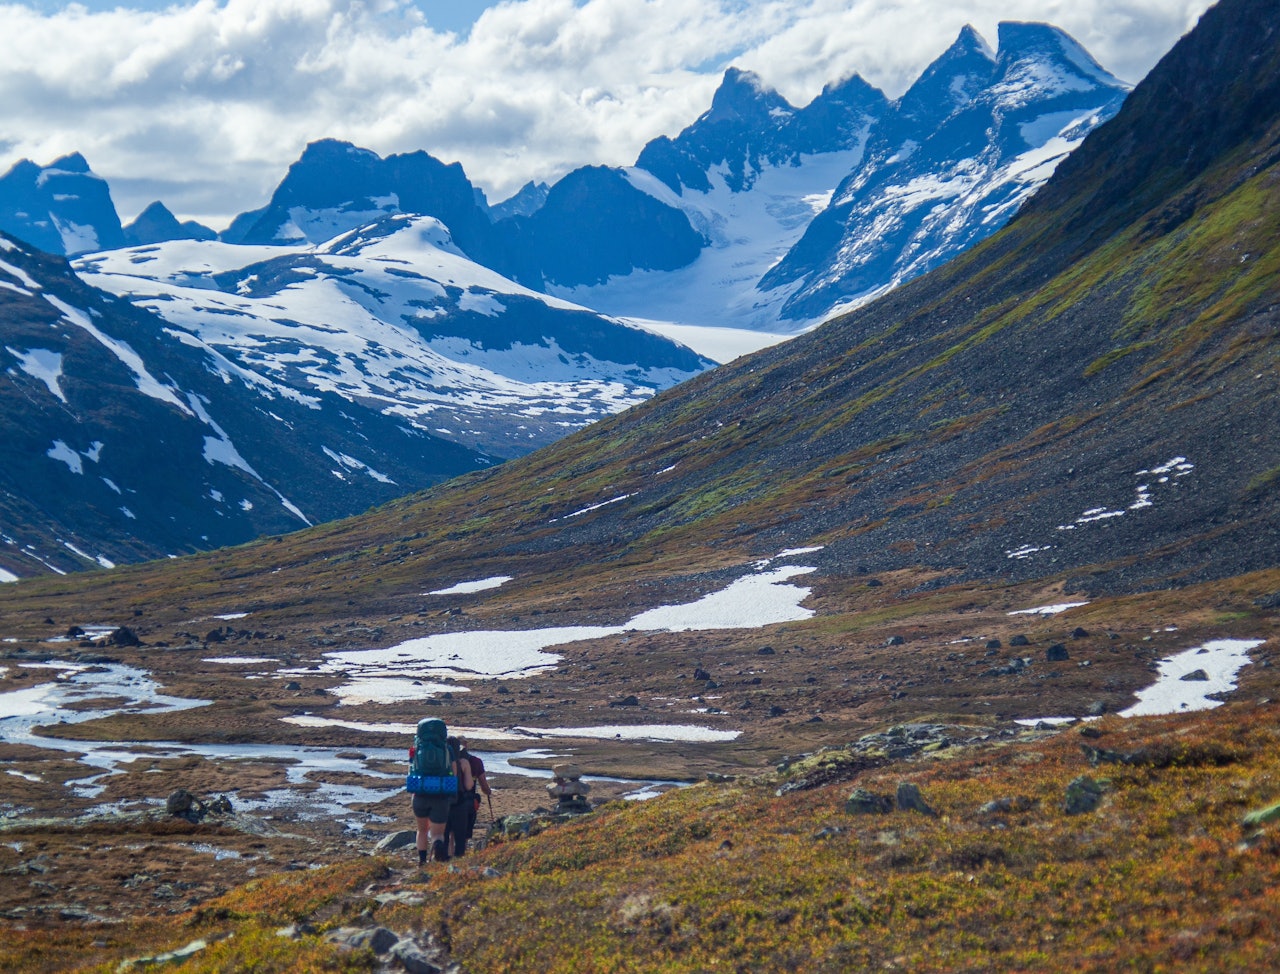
x: 62, y: 208
x: 744, y: 97
x: 952, y: 81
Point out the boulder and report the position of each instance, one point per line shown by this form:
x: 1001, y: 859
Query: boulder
x: 863, y: 802
x: 909, y: 799
x: 378, y: 939
x: 628, y: 701
x: 1019, y: 640
x: 180, y: 802
x: 124, y: 636
x: 1057, y: 653
x: 1195, y: 676
x: 414, y: 959
x: 396, y: 840
x: 1083, y: 795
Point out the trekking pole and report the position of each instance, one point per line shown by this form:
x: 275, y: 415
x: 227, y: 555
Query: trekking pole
x: 490, y: 799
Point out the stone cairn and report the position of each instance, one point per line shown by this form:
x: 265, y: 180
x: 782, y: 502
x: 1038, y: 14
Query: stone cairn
x: 568, y: 790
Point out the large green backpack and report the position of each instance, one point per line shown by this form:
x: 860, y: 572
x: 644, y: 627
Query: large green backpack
x: 431, y: 760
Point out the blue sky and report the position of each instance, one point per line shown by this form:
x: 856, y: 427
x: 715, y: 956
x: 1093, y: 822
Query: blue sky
x: 204, y: 103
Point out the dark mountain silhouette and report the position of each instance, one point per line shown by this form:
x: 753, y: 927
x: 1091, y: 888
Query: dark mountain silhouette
x: 156, y: 224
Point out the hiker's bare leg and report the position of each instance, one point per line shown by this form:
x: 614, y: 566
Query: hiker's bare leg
x: 424, y: 833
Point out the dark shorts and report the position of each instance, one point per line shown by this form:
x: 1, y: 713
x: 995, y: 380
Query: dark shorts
x: 434, y: 808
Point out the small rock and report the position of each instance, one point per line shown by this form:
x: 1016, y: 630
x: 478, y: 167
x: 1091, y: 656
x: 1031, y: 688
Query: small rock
x: 221, y: 805
x: 403, y: 897
x: 894, y: 641
x: 765, y: 651
x: 628, y: 701
x: 994, y: 644
x: 1195, y: 676
x: 1019, y: 640
x: 1001, y: 806
x: 1079, y: 633
x: 1263, y: 816
x: 159, y: 960
x: 701, y: 674
x: 1057, y: 653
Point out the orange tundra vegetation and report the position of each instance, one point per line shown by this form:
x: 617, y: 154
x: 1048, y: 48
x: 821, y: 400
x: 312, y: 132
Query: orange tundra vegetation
x: 1161, y: 876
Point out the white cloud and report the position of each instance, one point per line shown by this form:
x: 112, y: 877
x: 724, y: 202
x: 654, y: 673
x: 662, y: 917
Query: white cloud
x: 206, y: 104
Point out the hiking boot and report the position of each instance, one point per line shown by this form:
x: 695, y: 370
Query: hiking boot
x: 438, y: 851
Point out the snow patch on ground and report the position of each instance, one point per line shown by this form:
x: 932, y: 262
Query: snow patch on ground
x: 685, y: 733
x: 756, y: 600
x: 43, y: 365
x: 60, y: 451
x: 240, y: 660
x: 1218, y: 661
x: 1048, y: 610
x: 1188, y: 681
x: 466, y: 588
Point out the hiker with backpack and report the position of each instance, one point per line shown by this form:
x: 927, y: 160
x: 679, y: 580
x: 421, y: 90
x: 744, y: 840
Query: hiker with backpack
x: 481, y: 785
x: 462, y: 812
x: 436, y: 778
x: 462, y: 819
